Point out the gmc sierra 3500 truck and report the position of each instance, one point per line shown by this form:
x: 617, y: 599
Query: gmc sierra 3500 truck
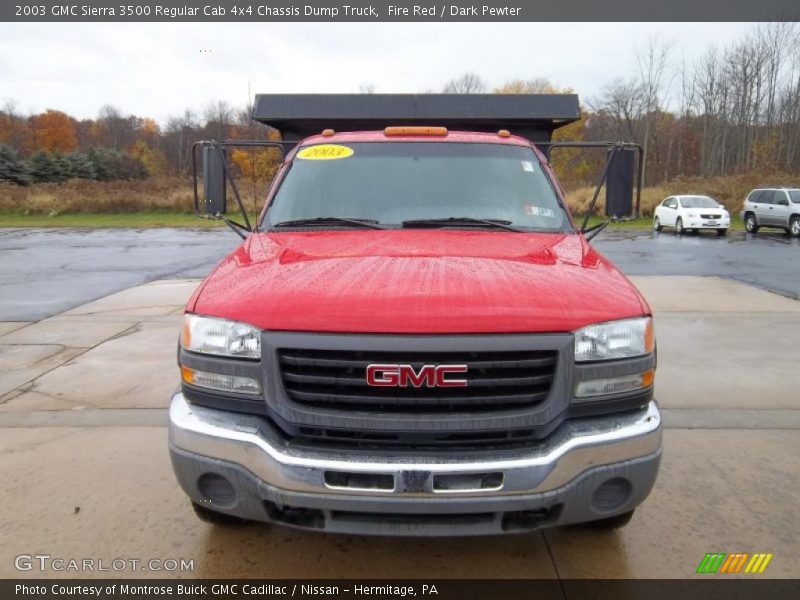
x: 415, y: 338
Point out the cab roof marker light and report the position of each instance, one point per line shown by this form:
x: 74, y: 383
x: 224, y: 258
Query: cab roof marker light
x: 328, y: 132
x: 504, y: 133
x: 415, y: 130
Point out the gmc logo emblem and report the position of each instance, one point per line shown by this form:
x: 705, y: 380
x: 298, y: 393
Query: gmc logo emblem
x: 405, y: 375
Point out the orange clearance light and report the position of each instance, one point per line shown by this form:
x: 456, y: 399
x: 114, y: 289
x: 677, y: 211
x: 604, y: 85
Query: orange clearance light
x: 648, y: 377
x: 327, y: 132
x: 187, y: 374
x: 412, y: 130
x: 504, y: 133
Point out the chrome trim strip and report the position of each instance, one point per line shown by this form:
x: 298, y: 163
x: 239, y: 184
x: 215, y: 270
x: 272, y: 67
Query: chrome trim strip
x: 574, y: 447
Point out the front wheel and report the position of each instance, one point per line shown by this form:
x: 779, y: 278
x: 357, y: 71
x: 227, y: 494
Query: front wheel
x: 679, y: 226
x: 657, y: 224
x: 614, y: 522
x: 721, y: 232
x: 750, y: 223
x: 794, y: 227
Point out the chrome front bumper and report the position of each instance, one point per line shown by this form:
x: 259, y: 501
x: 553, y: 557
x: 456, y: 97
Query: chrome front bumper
x: 252, y: 444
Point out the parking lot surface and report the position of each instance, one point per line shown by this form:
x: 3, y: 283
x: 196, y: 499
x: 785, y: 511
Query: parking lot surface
x: 86, y: 473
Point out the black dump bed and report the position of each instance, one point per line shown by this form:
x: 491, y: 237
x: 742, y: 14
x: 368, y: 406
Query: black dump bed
x: 533, y: 116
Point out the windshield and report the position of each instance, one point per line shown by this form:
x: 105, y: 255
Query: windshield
x: 390, y: 183
x: 795, y: 196
x: 698, y: 202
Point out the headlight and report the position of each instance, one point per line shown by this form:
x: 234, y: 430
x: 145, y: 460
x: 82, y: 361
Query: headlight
x: 615, y: 339
x: 209, y: 335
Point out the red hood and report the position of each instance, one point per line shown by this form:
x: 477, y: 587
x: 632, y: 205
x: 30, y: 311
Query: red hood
x: 417, y: 282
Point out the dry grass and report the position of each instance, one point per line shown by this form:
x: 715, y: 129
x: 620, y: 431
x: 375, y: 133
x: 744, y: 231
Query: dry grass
x: 82, y: 196
x: 730, y: 191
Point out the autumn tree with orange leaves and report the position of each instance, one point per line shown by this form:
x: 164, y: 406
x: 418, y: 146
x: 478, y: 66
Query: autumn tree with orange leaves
x: 53, y: 131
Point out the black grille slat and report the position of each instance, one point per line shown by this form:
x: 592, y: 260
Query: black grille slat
x: 469, y: 401
x: 496, y: 380
x: 291, y: 359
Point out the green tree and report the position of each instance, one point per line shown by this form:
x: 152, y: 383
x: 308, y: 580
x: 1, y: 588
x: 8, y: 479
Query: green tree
x: 80, y: 166
x: 42, y: 168
x: 11, y: 168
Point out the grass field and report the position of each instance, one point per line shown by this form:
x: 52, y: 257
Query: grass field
x: 141, y: 219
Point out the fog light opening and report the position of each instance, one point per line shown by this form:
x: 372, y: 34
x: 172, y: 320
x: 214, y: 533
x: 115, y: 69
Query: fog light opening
x: 217, y: 490
x: 612, y: 495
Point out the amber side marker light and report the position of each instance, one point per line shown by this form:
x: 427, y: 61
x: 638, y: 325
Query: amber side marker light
x: 649, y: 336
x: 187, y: 374
x: 432, y: 131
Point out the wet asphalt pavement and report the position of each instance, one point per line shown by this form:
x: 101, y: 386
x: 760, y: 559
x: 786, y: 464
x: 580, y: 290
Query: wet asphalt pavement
x: 47, y: 271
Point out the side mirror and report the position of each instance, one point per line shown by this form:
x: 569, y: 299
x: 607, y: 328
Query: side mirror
x: 722, y: 206
x: 214, y: 181
x: 619, y: 182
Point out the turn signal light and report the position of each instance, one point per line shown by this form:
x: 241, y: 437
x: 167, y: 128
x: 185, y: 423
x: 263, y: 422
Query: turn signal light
x: 416, y: 130
x: 614, y: 385
x: 220, y: 382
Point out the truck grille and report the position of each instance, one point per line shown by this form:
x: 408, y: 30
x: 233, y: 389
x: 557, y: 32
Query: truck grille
x: 496, y: 381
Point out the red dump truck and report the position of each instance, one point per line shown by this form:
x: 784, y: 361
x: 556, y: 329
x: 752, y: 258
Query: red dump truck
x: 414, y: 338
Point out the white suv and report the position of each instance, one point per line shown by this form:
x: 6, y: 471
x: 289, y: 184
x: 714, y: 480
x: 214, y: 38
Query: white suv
x: 772, y: 207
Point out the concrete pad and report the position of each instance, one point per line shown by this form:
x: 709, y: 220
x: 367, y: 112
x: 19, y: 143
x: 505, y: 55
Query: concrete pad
x: 155, y: 298
x: 709, y: 294
x: 122, y: 482
x: 718, y: 491
x: 22, y: 363
x: 8, y: 326
x: 67, y: 332
x: 135, y: 370
x: 728, y: 361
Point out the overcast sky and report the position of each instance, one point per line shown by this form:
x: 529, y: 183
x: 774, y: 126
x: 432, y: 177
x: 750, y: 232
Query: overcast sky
x: 158, y: 69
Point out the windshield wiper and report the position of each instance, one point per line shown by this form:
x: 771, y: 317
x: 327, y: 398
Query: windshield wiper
x: 311, y: 222
x: 456, y: 221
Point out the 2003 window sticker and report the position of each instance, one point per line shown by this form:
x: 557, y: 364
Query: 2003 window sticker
x: 325, y: 152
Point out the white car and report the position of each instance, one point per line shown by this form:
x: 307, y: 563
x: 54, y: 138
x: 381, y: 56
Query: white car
x: 691, y: 213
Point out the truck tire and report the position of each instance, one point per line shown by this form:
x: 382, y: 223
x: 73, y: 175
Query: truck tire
x: 216, y: 518
x: 614, y: 522
x: 750, y: 223
x: 794, y: 227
